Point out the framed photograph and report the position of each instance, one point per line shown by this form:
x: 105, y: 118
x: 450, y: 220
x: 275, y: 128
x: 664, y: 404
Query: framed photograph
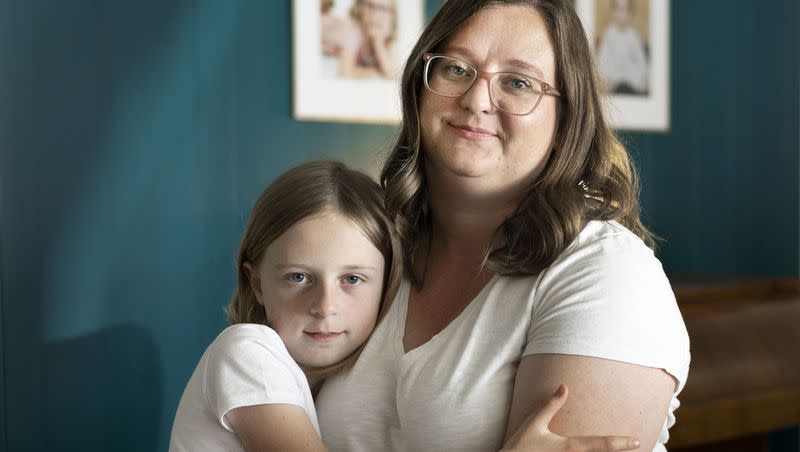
x: 348, y: 56
x: 630, y: 40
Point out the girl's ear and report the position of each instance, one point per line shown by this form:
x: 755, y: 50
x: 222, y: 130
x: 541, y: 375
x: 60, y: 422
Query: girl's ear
x: 254, y: 280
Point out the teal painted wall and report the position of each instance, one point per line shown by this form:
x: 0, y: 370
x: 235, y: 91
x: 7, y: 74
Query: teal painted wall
x: 722, y: 186
x: 136, y: 135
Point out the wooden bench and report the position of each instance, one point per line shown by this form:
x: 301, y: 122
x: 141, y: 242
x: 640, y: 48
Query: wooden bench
x: 744, y: 378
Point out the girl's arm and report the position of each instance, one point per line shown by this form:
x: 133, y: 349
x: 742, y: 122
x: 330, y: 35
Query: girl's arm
x: 275, y: 427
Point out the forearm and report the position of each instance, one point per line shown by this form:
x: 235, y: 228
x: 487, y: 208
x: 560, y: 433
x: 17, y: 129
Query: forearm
x: 384, y: 57
x: 263, y: 428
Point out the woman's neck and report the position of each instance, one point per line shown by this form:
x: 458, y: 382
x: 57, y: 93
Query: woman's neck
x: 315, y: 379
x: 465, y: 222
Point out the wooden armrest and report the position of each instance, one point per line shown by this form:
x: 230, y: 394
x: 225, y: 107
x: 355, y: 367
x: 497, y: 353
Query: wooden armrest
x: 744, y: 378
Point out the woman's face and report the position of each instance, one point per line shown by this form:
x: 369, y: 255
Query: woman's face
x: 468, y: 143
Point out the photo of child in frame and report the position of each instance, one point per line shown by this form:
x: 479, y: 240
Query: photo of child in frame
x: 623, y: 45
x: 358, y: 39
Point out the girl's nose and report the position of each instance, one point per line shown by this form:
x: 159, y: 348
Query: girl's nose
x: 325, y: 302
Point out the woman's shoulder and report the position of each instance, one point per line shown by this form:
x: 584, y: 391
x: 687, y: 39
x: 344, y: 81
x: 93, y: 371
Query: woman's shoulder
x: 606, y: 237
x: 607, y: 252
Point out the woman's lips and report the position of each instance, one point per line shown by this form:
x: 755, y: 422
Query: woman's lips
x: 322, y: 337
x: 473, y: 133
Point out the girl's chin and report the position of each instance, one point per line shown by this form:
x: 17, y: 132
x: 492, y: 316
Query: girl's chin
x: 320, y: 362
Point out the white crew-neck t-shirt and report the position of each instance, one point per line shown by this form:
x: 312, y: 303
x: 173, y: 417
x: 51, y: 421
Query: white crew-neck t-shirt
x: 606, y: 296
x: 246, y: 365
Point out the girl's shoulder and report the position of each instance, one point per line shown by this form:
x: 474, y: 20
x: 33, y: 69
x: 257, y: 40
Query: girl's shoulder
x: 251, y: 330
x: 246, y: 335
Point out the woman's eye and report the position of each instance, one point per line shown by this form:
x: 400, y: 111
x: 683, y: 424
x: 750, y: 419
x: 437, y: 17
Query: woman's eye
x: 456, y: 70
x: 517, y: 85
x: 297, y: 278
x: 520, y: 83
x: 353, y: 279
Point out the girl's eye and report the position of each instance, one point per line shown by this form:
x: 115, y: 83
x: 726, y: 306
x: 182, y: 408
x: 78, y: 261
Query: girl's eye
x: 353, y: 279
x: 297, y: 278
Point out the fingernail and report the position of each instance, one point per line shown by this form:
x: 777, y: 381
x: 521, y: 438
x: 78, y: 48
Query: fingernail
x: 560, y: 391
x: 636, y: 443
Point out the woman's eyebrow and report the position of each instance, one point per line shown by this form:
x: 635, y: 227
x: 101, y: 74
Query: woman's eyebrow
x: 514, y: 63
x: 525, y: 67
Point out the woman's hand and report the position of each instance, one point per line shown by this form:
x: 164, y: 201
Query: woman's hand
x: 534, y: 434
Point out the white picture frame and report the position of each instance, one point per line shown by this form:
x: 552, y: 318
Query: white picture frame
x: 632, y: 106
x: 320, y: 90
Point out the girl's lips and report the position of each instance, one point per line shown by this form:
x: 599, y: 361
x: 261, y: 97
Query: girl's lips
x: 322, y: 337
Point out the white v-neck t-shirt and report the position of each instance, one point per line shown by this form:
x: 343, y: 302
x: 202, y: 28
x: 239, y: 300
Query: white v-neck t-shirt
x: 606, y: 296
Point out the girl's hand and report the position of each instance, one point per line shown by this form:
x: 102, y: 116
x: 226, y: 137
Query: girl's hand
x: 534, y: 434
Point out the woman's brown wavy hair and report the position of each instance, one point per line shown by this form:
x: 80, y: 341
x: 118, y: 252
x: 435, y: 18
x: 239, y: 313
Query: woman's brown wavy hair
x: 588, y: 176
x: 309, y: 189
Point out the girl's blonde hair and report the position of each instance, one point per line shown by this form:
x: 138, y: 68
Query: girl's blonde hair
x: 589, y: 174
x: 310, y: 189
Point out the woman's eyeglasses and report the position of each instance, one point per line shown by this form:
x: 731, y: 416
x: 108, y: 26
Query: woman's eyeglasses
x: 510, y: 92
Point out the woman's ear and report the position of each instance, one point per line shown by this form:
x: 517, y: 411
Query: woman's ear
x: 255, y: 281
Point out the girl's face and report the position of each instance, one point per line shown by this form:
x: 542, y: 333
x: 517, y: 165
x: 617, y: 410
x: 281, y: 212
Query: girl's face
x: 622, y: 12
x: 377, y: 17
x: 320, y: 283
x: 468, y: 143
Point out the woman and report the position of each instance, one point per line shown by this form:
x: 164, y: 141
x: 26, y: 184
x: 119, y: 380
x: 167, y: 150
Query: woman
x: 527, y: 263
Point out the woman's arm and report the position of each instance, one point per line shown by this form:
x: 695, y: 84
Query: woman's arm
x: 275, y: 427
x: 534, y: 434
x: 608, y: 397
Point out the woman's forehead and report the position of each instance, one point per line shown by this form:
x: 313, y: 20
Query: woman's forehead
x: 506, y: 38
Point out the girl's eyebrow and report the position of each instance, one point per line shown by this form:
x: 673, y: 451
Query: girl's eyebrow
x: 360, y: 267
x: 287, y: 265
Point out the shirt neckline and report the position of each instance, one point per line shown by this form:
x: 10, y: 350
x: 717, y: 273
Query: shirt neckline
x: 405, y: 292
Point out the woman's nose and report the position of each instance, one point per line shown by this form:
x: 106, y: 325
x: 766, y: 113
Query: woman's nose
x: 477, y: 97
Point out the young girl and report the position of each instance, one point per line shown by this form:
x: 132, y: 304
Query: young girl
x: 317, y: 269
x: 319, y: 264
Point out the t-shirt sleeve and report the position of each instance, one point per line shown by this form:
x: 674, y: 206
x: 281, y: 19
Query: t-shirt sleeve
x: 247, y: 368
x: 610, y: 299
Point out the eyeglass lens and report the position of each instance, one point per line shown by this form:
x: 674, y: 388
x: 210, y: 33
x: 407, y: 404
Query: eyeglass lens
x: 451, y: 77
